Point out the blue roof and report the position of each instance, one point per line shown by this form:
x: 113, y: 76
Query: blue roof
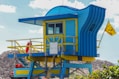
x: 38, y: 20
x: 62, y: 10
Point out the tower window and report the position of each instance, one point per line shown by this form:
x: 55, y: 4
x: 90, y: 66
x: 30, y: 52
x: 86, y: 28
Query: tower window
x: 54, y: 28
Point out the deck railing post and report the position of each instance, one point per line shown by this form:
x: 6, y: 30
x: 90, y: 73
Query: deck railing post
x: 31, y: 70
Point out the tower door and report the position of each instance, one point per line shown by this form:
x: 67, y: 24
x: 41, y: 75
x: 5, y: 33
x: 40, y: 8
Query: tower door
x: 70, y: 36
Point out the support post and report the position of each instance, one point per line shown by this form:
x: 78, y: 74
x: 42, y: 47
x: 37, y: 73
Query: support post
x: 63, y: 69
x: 90, y: 68
x: 31, y: 70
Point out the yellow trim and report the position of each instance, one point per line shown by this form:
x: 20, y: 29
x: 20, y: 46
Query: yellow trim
x: 70, y: 58
x: 26, y: 72
x: 64, y: 44
x: 76, y: 24
x: 57, y: 59
x: 52, y: 21
x: 61, y: 20
x: 44, y: 34
x: 49, y: 59
x: 54, y: 36
x: 59, y: 35
x: 25, y: 45
x: 68, y: 44
x: 47, y: 39
x: 58, y: 40
x: 64, y: 32
x: 38, y: 71
x: 88, y: 59
x: 23, y: 72
x: 21, y: 50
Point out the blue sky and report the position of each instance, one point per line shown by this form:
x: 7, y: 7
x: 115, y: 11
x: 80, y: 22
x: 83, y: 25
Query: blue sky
x: 12, y: 10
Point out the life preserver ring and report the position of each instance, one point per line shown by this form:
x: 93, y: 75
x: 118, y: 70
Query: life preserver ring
x: 28, y: 46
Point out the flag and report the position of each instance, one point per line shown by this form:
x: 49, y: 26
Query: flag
x: 109, y: 29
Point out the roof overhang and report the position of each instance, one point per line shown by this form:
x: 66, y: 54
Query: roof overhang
x: 38, y: 20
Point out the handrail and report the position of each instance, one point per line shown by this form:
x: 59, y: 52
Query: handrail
x: 38, y: 45
x: 19, y: 47
x: 15, y: 44
x: 24, y: 39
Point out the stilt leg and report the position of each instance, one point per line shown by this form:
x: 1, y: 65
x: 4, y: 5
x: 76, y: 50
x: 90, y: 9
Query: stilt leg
x: 31, y: 70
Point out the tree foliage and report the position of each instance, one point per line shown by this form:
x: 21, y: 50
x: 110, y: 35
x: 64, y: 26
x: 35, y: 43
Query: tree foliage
x: 111, y: 72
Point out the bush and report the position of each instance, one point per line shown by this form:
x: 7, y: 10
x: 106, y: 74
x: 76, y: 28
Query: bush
x: 111, y: 72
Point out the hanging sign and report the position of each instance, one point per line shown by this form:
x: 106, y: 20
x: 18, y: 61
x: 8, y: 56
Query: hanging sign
x: 53, y: 48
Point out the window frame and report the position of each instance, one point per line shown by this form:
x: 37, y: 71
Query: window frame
x: 54, y: 28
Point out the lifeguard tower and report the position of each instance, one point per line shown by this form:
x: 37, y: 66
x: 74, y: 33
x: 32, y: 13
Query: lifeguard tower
x: 69, y: 34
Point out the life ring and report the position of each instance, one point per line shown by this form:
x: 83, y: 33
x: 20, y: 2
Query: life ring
x: 28, y: 46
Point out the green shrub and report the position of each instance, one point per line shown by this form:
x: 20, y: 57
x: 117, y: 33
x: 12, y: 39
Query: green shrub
x: 111, y: 72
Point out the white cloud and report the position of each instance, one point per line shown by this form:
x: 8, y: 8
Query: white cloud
x: 40, y: 31
x: 45, y: 5
x: 110, y: 5
x: 116, y: 21
x: 7, y: 9
x: 112, y: 10
x: 48, y: 4
x: 2, y: 27
x: 118, y: 33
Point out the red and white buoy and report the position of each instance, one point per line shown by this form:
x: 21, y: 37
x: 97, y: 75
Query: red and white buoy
x: 28, y: 46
